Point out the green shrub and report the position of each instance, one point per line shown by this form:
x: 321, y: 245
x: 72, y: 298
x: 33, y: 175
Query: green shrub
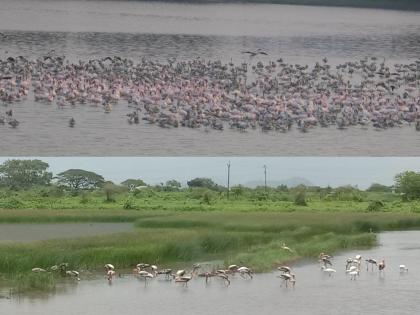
x: 129, y: 204
x: 84, y: 198
x: 11, y: 203
x: 375, y: 206
x: 300, y: 199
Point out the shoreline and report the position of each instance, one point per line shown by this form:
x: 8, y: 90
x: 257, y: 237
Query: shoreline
x: 384, y: 5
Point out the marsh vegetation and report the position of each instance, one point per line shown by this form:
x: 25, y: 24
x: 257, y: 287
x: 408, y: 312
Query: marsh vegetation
x: 175, y: 225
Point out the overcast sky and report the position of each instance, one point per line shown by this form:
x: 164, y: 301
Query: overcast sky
x: 323, y: 171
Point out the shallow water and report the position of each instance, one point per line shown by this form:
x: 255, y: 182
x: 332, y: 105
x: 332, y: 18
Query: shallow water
x: 158, y: 30
x: 314, y: 293
x: 44, y: 131
x: 23, y: 232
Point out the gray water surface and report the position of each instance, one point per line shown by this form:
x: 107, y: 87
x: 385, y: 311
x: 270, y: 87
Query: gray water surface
x: 159, y: 30
x: 315, y: 293
x: 23, y: 232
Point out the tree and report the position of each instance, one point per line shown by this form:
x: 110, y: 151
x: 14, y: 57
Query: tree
x: 408, y: 184
x: 22, y: 174
x: 300, y: 198
x: 110, y: 189
x: 375, y: 187
x: 283, y: 188
x: 238, y: 191
x: 133, y: 183
x: 80, y: 179
x: 203, y: 183
x: 173, y: 183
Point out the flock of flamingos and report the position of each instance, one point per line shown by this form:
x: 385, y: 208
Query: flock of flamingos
x: 271, y: 95
x: 148, y: 272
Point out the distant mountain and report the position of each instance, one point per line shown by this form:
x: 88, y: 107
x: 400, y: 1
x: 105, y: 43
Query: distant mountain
x: 289, y: 182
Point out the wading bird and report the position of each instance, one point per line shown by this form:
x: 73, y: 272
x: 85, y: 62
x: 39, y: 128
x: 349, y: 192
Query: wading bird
x: 329, y: 271
x: 245, y: 271
x: 372, y: 263
x: 287, y: 277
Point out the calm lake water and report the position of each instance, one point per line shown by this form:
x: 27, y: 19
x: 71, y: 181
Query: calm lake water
x: 315, y: 293
x: 37, y: 232
x: 159, y: 30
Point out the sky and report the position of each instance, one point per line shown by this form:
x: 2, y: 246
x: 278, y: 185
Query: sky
x: 322, y: 171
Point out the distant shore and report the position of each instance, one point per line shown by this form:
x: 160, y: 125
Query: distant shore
x: 410, y: 5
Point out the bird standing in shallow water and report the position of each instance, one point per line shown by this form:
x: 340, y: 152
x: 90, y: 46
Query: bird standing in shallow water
x: 381, y: 265
x: 372, y: 262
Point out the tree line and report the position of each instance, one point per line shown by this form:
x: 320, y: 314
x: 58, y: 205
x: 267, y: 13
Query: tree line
x: 16, y: 174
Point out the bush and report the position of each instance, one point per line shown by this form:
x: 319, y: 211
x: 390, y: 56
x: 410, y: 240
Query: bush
x: 207, y: 197
x: 129, y: 204
x: 261, y: 195
x: 110, y: 189
x: 84, y: 198
x: 11, y: 203
x: 375, y: 206
x: 300, y: 199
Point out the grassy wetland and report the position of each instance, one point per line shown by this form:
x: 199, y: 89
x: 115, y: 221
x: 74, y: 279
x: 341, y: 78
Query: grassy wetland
x: 169, y: 239
x: 176, y: 226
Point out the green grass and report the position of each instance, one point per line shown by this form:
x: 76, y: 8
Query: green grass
x: 203, y: 200
x: 28, y: 282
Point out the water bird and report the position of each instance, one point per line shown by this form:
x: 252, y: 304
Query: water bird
x: 284, y: 269
x: 72, y: 122
x: 325, y: 261
x: 353, y: 274
x: 284, y: 247
x: 109, y: 267
x: 403, y: 268
x: 109, y: 271
x: 287, y: 277
x: 110, y: 274
x: 73, y: 274
x: 145, y: 275
x: 329, y: 271
x: 225, y: 278
x: 372, y: 262
x: 212, y: 94
x: 183, y: 279
x: 245, y: 271
x: 381, y: 265
x: 13, y: 123
x: 233, y: 268
x: 166, y: 272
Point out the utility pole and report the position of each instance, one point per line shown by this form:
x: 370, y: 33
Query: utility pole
x: 265, y: 177
x: 228, y: 186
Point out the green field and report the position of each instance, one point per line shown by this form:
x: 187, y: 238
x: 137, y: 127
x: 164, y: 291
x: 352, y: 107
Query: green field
x: 342, y: 199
